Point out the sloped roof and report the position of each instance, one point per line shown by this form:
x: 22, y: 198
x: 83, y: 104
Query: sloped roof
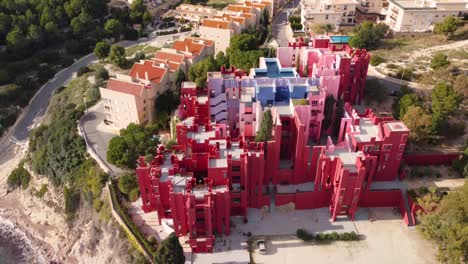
x: 147, y: 71
x: 125, y: 87
x: 188, y: 45
x: 215, y: 23
x: 167, y: 56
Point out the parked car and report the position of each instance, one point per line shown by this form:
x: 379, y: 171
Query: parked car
x: 261, y: 246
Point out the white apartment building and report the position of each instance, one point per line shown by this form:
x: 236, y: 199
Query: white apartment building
x: 378, y: 7
x: 421, y: 15
x: 335, y: 12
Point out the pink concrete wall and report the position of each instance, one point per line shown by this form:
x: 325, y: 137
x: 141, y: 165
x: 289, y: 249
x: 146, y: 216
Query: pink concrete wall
x: 431, y: 158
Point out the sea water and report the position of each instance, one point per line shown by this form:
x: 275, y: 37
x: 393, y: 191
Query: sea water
x: 16, y: 246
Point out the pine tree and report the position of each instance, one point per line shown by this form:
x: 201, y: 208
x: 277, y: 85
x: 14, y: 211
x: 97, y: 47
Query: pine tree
x: 264, y: 133
x: 170, y: 251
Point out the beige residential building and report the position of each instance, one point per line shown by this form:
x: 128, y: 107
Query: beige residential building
x: 126, y: 101
x: 335, y: 12
x: 193, y: 49
x: 219, y: 31
x: 421, y: 15
x: 193, y: 13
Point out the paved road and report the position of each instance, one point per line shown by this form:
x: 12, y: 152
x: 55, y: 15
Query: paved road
x: 279, y: 27
x: 34, y: 112
x: 96, y: 138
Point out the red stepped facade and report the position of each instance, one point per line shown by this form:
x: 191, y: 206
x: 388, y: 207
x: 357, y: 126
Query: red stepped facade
x: 210, y: 176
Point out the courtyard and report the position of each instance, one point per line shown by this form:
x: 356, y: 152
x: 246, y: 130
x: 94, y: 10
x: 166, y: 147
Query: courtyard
x: 385, y: 240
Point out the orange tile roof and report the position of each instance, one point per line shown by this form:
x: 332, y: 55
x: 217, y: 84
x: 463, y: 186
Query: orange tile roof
x: 172, y: 66
x: 239, y: 8
x: 167, y: 56
x: 125, y: 87
x: 215, y: 23
x: 147, y: 69
x: 237, y: 19
x: 189, y: 45
x: 247, y: 15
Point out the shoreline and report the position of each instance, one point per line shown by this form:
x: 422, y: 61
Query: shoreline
x: 36, y: 250
x: 34, y: 232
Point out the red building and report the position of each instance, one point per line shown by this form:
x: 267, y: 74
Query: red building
x: 341, y: 68
x: 210, y: 175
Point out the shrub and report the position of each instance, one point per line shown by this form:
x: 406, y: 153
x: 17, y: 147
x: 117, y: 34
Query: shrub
x: 42, y: 191
x: 19, y: 177
x: 439, y: 60
x: 133, y: 195
x: 304, y: 235
x: 392, y: 66
x: 72, y: 202
x: 127, y: 183
x: 4, y: 76
x: 376, y: 60
x: 101, y: 74
x: 97, y: 204
x: 82, y: 70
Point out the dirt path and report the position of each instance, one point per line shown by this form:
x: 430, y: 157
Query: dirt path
x: 431, y: 50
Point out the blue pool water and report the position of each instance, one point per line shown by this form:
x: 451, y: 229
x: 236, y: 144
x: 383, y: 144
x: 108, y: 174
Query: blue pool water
x: 273, y: 71
x: 339, y: 39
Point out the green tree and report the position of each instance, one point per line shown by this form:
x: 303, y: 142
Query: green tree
x: 439, y: 60
x: 135, y: 140
x: 367, y: 36
x: 222, y: 59
x: 328, y: 111
x: 447, y: 26
x: 35, y: 33
x: 114, y: 28
x: 404, y: 90
x: 266, y: 127
x: 117, y: 55
x: 418, y: 122
x: 407, y: 101
x: 179, y: 79
x: 243, y: 42
x: 444, y: 99
x: 137, y: 11
x: 82, y: 23
x: 197, y: 73
x: 447, y: 226
x: 127, y: 183
x: 170, y: 251
x: 245, y: 60
x: 339, y: 113
x: 101, y: 50
x: 16, y: 40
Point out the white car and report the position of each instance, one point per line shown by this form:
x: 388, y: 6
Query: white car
x: 261, y: 246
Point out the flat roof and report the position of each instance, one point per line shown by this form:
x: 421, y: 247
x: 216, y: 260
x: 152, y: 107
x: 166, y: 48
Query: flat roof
x: 202, y: 99
x: 201, y: 135
x: 367, y: 130
x: 347, y: 158
x: 397, y: 126
x: 283, y: 109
